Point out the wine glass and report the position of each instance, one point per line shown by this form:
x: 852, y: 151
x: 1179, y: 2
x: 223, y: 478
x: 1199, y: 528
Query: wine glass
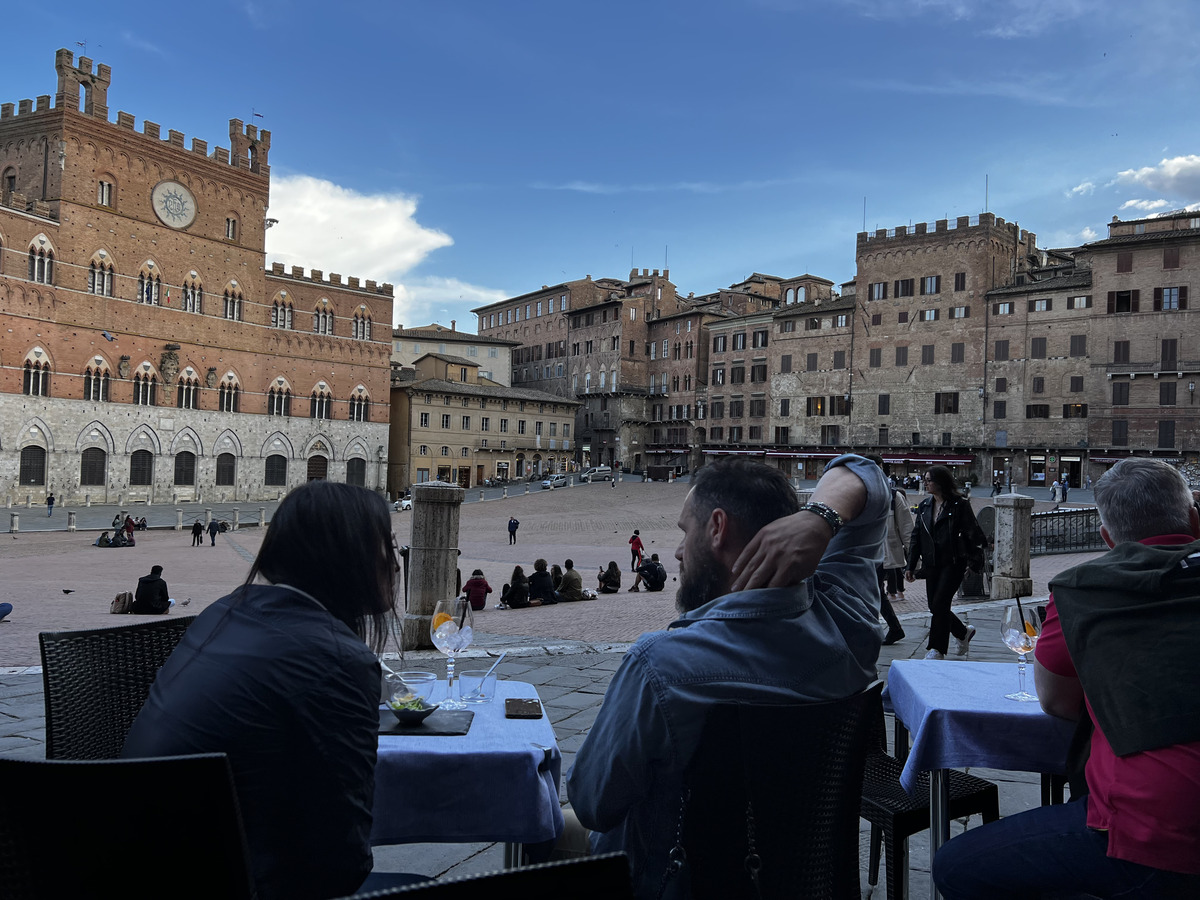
x: 1020, y: 630
x: 450, y: 628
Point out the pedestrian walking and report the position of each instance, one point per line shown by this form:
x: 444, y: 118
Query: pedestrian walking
x: 197, y: 534
x: 513, y: 525
x: 50, y: 505
x: 636, y: 549
x: 213, y: 528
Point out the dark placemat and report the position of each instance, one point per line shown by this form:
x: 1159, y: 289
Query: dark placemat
x: 443, y: 722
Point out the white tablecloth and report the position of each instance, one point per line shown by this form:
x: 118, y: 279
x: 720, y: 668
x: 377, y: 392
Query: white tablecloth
x: 958, y: 716
x: 496, y: 783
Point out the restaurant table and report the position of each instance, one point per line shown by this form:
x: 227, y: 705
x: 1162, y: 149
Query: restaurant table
x: 958, y: 716
x: 498, y: 782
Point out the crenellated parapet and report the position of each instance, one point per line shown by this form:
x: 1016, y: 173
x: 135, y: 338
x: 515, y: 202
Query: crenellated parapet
x: 317, y: 277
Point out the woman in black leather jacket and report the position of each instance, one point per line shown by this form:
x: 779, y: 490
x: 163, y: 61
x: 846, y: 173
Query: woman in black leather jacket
x: 946, y: 541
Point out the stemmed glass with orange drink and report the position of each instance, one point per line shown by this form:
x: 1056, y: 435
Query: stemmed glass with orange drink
x: 1020, y: 630
x: 450, y: 628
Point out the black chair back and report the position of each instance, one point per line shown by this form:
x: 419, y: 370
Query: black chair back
x: 95, y: 683
x: 603, y: 877
x: 129, y: 828
x: 776, y: 788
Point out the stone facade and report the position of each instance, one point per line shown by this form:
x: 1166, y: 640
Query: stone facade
x: 492, y: 355
x: 149, y: 355
x: 450, y: 425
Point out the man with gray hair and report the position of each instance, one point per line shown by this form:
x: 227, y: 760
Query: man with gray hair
x: 1117, y: 653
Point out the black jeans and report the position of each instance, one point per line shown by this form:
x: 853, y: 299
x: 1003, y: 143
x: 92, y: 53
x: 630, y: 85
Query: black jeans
x: 940, y: 586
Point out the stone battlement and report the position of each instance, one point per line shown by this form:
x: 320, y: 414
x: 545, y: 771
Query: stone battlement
x: 317, y: 276
x: 84, y: 88
x: 983, y: 220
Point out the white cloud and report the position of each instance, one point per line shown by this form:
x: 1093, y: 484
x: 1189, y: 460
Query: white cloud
x: 999, y: 18
x: 1082, y: 189
x: 1088, y: 234
x: 1176, y: 175
x: 689, y: 187
x: 1145, y: 205
x: 325, y: 226
x: 436, y: 299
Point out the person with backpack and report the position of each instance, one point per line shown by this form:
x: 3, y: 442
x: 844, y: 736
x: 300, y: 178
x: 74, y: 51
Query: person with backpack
x: 650, y: 573
x: 152, y: 597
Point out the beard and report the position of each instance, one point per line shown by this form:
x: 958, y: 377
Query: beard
x: 700, y: 582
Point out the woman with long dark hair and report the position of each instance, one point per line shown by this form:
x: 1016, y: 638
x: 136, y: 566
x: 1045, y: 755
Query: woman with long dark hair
x: 610, y: 579
x: 282, y: 675
x: 946, y: 540
x: 516, y: 593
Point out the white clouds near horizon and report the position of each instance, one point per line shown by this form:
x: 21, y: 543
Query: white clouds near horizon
x: 1176, y: 175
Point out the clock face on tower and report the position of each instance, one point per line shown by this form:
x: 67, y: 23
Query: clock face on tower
x: 173, y: 204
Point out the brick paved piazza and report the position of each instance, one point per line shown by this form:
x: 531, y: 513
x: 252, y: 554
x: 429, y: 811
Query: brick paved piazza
x: 588, y: 523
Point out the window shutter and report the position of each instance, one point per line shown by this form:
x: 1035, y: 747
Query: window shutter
x: 1112, y: 301
x: 966, y: 309
x: 995, y: 309
x: 897, y: 287
x: 937, y: 284
x: 1030, y: 302
x: 1157, y: 299
x: 1049, y: 304
x: 1183, y: 297
x: 884, y: 283
x: 1134, y: 304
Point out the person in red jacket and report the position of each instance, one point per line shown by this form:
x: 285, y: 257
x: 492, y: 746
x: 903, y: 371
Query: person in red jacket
x: 636, y: 549
x: 477, y: 590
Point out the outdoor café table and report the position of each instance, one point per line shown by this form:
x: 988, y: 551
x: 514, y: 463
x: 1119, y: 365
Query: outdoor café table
x: 498, y: 782
x: 958, y: 716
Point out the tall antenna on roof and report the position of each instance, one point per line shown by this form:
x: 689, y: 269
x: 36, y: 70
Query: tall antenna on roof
x: 864, y: 213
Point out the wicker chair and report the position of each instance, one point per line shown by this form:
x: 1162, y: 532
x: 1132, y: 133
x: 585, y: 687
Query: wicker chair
x: 95, y: 683
x: 777, y: 786
x: 129, y: 828
x: 895, y: 815
x: 604, y: 877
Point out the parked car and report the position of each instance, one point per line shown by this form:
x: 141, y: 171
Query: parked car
x: 402, y: 504
x: 554, y: 481
x: 597, y: 473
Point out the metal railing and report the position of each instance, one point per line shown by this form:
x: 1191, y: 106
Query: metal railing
x: 1065, y: 531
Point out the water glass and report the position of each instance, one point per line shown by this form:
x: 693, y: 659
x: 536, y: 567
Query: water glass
x: 477, y: 686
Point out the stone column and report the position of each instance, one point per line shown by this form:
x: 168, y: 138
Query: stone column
x: 237, y: 517
x: 179, y: 520
x: 262, y: 517
x: 207, y: 517
x: 433, y: 557
x: 1014, y: 518
x: 14, y: 522
x: 70, y: 520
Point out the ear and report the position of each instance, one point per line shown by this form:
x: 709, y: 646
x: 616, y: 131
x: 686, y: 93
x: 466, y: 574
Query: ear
x: 1108, y: 538
x: 717, y: 530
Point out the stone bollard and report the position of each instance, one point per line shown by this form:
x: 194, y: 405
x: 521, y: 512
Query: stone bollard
x: 481, y: 495
x: 262, y: 517
x: 527, y: 487
x: 29, y: 501
x: 179, y: 520
x: 504, y: 492
x: 14, y: 522
x: 70, y: 520
x: 433, y: 557
x: 87, y: 499
x: 207, y: 517
x: 237, y: 518
x: 1014, y: 521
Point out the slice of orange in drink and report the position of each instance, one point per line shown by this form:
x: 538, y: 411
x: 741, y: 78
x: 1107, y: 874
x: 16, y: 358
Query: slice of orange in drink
x: 440, y: 619
x: 1030, y: 629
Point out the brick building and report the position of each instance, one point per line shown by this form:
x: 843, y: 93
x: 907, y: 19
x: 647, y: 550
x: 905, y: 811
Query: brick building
x: 493, y: 356
x: 149, y: 355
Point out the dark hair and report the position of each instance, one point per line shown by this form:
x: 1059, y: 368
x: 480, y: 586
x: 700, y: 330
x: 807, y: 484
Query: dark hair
x: 518, y: 575
x: 754, y: 495
x: 635, y: 531
x: 569, y: 563
x: 612, y: 567
x: 654, y: 556
x: 334, y: 541
x: 539, y: 565
x: 155, y: 570
x: 940, y: 475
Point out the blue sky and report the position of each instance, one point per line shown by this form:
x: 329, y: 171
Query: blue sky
x: 469, y: 150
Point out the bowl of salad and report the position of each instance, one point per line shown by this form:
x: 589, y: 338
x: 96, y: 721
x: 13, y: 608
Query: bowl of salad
x: 409, y: 700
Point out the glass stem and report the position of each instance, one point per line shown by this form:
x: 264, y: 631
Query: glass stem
x: 450, y: 676
x: 1021, y: 671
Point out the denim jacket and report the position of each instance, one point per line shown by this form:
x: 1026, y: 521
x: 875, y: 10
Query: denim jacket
x: 815, y: 641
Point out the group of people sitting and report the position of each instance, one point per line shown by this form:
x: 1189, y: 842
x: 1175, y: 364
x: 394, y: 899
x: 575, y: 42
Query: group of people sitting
x: 123, y: 538
x: 550, y: 584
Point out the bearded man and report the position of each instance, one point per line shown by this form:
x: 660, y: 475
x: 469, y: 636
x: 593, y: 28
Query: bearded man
x: 779, y: 603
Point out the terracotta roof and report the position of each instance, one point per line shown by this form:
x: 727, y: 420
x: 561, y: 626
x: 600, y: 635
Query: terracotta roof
x: 487, y: 390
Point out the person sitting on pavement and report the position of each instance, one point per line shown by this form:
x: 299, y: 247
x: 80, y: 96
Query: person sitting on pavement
x: 1117, y: 653
x: 541, y: 587
x: 610, y: 579
x: 652, y: 574
x: 477, y: 590
x: 556, y: 575
x: 571, y: 589
x: 515, y: 594
x: 102, y: 541
x: 754, y: 626
x: 282, y: 675
x: 152, y: 597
